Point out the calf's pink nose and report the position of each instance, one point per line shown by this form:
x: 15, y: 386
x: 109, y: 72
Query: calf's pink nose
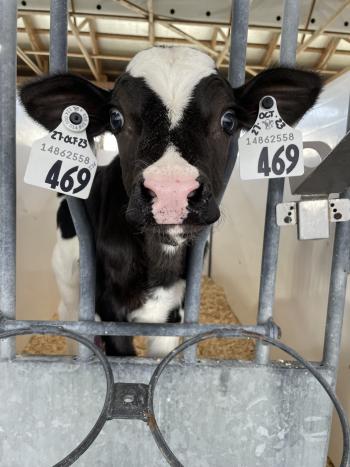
x: 170, y: 197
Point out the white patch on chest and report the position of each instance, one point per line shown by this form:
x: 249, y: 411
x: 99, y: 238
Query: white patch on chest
x: 172, y: 73
x: 157, y: 307
x: 156, y: 310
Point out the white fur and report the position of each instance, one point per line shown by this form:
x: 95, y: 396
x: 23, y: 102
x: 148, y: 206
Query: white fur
x: 65, y: 263
x: 156, y: 310
x: 171, y: 164
x: 175, y: 234
x: 172, y: 73
x: 170, y: 249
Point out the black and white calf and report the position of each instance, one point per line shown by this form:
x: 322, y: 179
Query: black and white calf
x: 173, y: 116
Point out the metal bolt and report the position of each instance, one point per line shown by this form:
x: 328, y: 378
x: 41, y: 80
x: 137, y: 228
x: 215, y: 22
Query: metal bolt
x: 337, y: 216
x: 267, y: 102
x: 75, y: 118
x: 287, y: 219
x: 128, y: 398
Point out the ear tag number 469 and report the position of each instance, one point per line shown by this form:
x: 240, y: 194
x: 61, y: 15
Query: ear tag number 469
x: 63, y: 160
x: 271, y: 148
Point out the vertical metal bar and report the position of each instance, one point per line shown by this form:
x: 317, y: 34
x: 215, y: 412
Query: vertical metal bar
x: 275, y: 192
x: 239, y: 38
x: 58, y: 64
x: 337, y: 288
x: 8, y: 31
x: 239, y: 34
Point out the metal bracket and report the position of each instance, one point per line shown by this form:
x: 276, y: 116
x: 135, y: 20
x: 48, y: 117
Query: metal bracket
x: 129, y: 402
x: 313, y: 215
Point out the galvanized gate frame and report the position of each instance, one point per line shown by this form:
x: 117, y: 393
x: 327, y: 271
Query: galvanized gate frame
x: 265, y: 331
x: 136, y: 401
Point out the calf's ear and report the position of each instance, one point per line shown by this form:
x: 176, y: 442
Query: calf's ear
x: 295, y: 92
x: 45, y: 99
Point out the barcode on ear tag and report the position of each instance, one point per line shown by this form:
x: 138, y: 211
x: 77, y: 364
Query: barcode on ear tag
x: 63, y: 160
x: 271, y: 148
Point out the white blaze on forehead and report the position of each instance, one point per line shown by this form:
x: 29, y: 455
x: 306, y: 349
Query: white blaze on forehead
x: 172, y: 73
x: 171, y: 178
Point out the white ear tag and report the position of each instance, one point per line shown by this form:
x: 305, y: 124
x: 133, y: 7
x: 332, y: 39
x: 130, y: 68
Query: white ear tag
x: 63, y: 160
x: 271, y: 148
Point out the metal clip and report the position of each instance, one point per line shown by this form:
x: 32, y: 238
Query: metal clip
x: 313, y: 215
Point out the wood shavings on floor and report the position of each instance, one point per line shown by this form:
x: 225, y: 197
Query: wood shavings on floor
x: 214, y: 309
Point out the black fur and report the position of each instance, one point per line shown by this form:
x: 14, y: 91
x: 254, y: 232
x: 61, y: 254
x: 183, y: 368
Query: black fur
x: 129, y: 244
x: 64, y: 221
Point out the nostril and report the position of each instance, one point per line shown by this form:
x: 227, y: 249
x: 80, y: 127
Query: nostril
x: 147, y: 193
x: 151, y: 193
x: 196, y: 194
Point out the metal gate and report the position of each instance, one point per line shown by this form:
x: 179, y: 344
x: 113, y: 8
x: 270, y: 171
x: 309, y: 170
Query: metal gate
x: 282, y: 416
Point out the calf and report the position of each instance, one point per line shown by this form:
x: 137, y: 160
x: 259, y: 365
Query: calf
x: 173, y: 116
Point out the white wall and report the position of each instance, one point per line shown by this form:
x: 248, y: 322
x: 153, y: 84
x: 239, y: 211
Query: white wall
x: 304, y: 267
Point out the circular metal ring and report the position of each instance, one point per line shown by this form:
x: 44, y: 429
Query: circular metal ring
x: 220, y: 333
x: 102, y: 418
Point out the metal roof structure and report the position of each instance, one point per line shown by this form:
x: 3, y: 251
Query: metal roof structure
x: 105, y: 34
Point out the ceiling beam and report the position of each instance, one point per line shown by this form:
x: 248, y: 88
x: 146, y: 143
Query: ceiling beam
x: 189, y: 38
x: 321, y: 29
x: 151, y: 32
x: 222, y: 55
x: 131, y: 6
x: 35, y: 42
x: 170, y: 40
x: 95, y: 49
x: 270, y: 49
x: 309, y: 17
x: 28, y: 61
x: 328, y: 53
x: 83, y: 23
x: 214, y: 37
x: 205, y: 23
x: 83, y: 49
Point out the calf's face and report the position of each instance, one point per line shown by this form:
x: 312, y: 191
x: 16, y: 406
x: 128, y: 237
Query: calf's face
x: 174, y: 117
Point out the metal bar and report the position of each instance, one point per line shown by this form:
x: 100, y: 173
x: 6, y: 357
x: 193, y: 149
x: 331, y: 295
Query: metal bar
x: 275, y: 192
x: 239, y: 34
x: 8, y: 30
x: 58, y: 63
x: 337, y: 288
x: 58, y: 36
x: 134, y: 329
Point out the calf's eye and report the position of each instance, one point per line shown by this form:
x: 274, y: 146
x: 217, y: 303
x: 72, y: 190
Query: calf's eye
x: 116, y: 119
x: 228, y: 122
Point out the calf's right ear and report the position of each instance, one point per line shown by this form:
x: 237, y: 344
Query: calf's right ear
x: 45, y: 99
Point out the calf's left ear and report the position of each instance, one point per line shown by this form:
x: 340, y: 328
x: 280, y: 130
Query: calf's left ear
x: 295, y: 91
x: 46, y: 98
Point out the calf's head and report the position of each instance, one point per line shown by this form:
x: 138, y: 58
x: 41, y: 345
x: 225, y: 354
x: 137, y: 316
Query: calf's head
x: 173, y: 116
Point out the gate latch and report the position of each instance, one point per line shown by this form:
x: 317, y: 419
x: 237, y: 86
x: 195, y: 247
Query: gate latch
x: 313, y: 215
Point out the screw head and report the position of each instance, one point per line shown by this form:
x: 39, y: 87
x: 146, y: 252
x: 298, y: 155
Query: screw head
x: 338, y: 216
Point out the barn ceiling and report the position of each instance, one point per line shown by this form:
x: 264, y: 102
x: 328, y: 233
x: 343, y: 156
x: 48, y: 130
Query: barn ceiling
x: 105, y: 34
